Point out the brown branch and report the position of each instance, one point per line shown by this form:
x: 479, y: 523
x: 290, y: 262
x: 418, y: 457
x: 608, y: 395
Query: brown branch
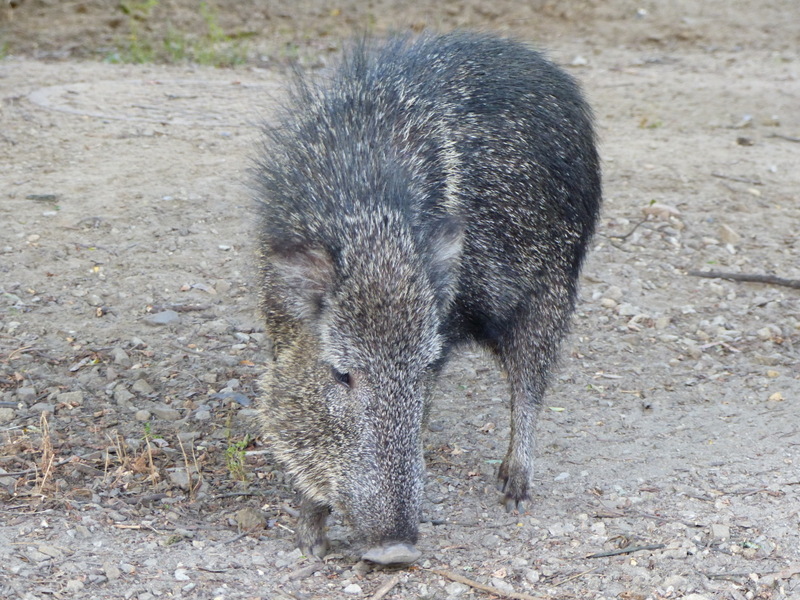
x: 385, y: 588
x: 483, y: 587
x: 748, y: 277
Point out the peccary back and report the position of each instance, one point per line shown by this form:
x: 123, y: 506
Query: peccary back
x: 433, y: 191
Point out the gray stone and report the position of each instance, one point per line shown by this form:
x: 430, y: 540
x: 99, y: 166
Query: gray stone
x: 179, y: 477
x: 720, y: 532
x: 187, y: 437
x: 166, y: 317
x: 121, y: 357
x: 41, y: 407
x: 70, y: 398
x: 503, y: 585
x: 162, y: 411
x: 216, y: 327
x: 122, y: 396
x: 455, y: 589
x: 202, y: 415
x: 141, y: 386
x: 26, y: 394
x: 111, y: 571
x: 142, y: 415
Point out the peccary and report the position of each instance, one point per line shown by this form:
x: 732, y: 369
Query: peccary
x: 434, y: 191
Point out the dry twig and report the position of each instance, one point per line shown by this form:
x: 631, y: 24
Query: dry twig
x: 748, y: 277
x: 739, y: 179
x: 788, y: 138
x: 576, y: 576
x: 385, y: 588
x: 483, y: 587
x: 626, y: 550
x: 304, y: 572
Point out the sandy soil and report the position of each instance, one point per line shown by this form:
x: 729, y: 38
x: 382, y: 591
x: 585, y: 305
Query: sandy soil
x: 130, y: 342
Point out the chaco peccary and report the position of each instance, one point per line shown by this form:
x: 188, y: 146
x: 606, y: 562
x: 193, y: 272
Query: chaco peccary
x: 434, y: 191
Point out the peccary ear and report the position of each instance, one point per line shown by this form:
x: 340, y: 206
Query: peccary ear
x: 447, y: 241
x: 306, y: 274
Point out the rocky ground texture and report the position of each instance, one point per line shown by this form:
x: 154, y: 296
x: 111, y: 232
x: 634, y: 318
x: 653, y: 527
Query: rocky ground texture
x: 130, y: 341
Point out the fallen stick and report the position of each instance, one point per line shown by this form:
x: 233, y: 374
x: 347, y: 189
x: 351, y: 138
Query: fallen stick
x: 307, y: 571
x: 385, y: 588
x: 626, y: 550
x: 748, y: 277
x: 739, y: 179
x: 788, y: 138
x: 573, y: 577
x: 483, y: 587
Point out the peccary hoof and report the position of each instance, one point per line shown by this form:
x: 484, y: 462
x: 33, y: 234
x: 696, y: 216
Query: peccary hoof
x: 392, y: 554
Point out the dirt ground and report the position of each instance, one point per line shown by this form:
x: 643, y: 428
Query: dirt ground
x: 130, y: 342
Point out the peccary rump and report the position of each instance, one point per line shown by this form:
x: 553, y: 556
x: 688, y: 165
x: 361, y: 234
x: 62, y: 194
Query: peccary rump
x: 433, y: 191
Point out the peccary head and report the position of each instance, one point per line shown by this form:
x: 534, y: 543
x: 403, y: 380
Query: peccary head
x: 346, y: 394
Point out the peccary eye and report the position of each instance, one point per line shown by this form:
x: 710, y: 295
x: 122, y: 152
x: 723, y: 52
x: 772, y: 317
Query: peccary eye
x: 343, y: 378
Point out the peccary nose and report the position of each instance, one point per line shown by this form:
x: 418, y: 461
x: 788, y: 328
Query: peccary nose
x: 392, y: 554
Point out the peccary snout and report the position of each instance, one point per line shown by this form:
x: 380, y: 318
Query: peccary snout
x: 434, y: 192
x: 392, y: 554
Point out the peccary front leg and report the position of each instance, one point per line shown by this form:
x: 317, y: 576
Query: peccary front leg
x: 527, y: 352
x: 311, y: 537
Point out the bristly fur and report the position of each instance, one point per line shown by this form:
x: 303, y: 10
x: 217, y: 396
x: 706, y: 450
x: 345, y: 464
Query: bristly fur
x: 433, y: 191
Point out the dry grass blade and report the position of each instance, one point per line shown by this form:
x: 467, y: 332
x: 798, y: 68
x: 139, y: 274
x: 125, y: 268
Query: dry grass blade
x: 47, y: 462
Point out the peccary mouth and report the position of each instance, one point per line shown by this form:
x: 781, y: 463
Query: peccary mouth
x: 393, y: 553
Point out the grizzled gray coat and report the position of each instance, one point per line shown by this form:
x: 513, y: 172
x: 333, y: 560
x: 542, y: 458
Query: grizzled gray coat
x: 435, y: 191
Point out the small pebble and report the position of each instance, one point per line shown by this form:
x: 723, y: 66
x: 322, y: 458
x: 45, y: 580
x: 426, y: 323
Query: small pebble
x: 728, y: 235
x: 122, y: 396
x: 249, y: 519
x: 202, y: 415
x: 26, y: 394
x: 121, y: 357
x: 179, y: 477
x: 70, y: 398
x: 720, y: 532
x: 455, y: 588
x: 111, y: 571
x: 503, y: 586
x: 166, y: 317
x: 141, y: 386
x: 608, y: 303
x: 164, y: 412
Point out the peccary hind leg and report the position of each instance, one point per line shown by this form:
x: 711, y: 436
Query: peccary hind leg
x: 311, y: 537
x: 527, y: 353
